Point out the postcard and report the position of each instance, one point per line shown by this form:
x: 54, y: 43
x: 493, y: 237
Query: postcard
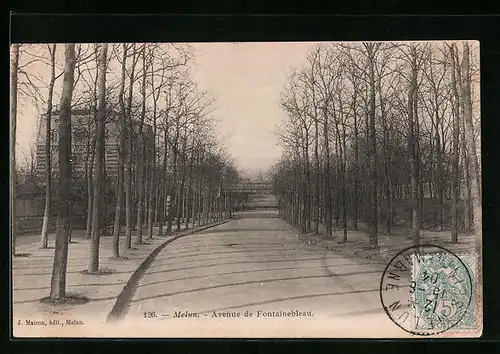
x: 246, y: 190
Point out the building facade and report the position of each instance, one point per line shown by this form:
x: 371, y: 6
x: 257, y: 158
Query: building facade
x: 83, y: 133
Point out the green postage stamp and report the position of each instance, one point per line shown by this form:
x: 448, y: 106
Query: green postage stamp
x: 444, y: 291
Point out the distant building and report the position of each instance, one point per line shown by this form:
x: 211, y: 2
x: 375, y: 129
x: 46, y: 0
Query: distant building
x: 29, y: 201
x: 83, y: 130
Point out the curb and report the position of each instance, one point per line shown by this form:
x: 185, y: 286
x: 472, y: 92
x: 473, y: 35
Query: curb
x: 357, y: 252
x: 353, y: 253
x: 119, y: 309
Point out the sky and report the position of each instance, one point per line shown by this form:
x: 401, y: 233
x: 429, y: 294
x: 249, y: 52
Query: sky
x: 246, y: 79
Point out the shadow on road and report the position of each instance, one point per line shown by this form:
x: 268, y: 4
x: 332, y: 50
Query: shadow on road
x: 235, y: 272
x: 235, y: 263
x: 259, y: 281
x: 215, y: 231
x: 256, y: 215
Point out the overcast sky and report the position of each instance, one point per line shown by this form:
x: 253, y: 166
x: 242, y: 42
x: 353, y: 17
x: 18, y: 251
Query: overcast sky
x: 247, y: 79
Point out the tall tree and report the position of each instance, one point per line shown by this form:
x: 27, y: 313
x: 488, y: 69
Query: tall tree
x: 412, y: 145
x: 455, y: 155
x: 471, y: 143
x: 371, y: 50
x: 14, y: 67
x: 129, y: 152
x: 157, y: 85
x: 48, y: 144
x: 141, y: 140
x: 466, y: 176
x: 97, y: 221
x: 121, y: 157
x: 58, y: 281
x: 91, y: 141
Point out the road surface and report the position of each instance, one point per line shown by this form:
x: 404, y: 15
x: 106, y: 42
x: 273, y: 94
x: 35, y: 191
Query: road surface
x: 256, y: 263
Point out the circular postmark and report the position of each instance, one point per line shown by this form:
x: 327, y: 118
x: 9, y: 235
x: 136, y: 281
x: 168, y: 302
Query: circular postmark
x: 426, y: 289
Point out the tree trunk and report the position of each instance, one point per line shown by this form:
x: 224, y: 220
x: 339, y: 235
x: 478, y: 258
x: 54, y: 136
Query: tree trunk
x: 205, y: 206
x: 455, y: 158
x: 173, y: 187
x: 140, y: 172
x: 194, y: 208
x: 146, y: 187
x: 93, y: 266
x: 413, y: 152
x: 418, y: 160
x: 90, y: 190
x: 466, y: 174
x: 58, y: 280
x: 296, y: 192
x: 190, y: 199
x: 140, y: 185
x: 387, y: 182
x: 119, y: 202
x: 304, y: 194
x: 471, y: 147
x: 152, y: 169
x: 121, y: 159
x: 163, y: 194
x: 180, y: 199
x: 14, y: 68
x: 463, y: 146
x: 441, y: 183
x: 317, y: 198
x: 308, y: 185
x: 356, y: 166
x: 48, y: 156
x: 337, y: 177
x: 90, y: 185
x: 128, y: 160
x: 365, y: 191
x: 200, y: 191
x: 328, y: 198
x: 343, y: 161
x: 373, y: 154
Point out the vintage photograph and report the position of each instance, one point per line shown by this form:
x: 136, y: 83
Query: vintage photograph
x: 246, y: 190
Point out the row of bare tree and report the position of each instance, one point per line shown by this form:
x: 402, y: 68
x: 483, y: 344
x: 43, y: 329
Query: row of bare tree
x: 384, y: 133
x: 168, y: 170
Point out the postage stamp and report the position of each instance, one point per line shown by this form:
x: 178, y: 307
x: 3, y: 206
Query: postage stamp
x: 441, y: 291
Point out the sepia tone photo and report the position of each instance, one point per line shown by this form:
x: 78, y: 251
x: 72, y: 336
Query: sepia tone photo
x: 251, y: 190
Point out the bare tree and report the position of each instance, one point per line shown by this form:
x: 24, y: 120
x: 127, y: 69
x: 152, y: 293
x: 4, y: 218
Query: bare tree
x: 412, y: 136
x: 455, y: 155
x: 48, y: 146
x: 371, y: 50
x: 58, y: 282
x: 14, y: 66
x: 129, y: 152
x: 93, y: 266
x: 403, y: 155
x: 121, y: 162
x: 158, y: 83
x: 471, y: 143
x: 91, y: 143
x: 141, y: 140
